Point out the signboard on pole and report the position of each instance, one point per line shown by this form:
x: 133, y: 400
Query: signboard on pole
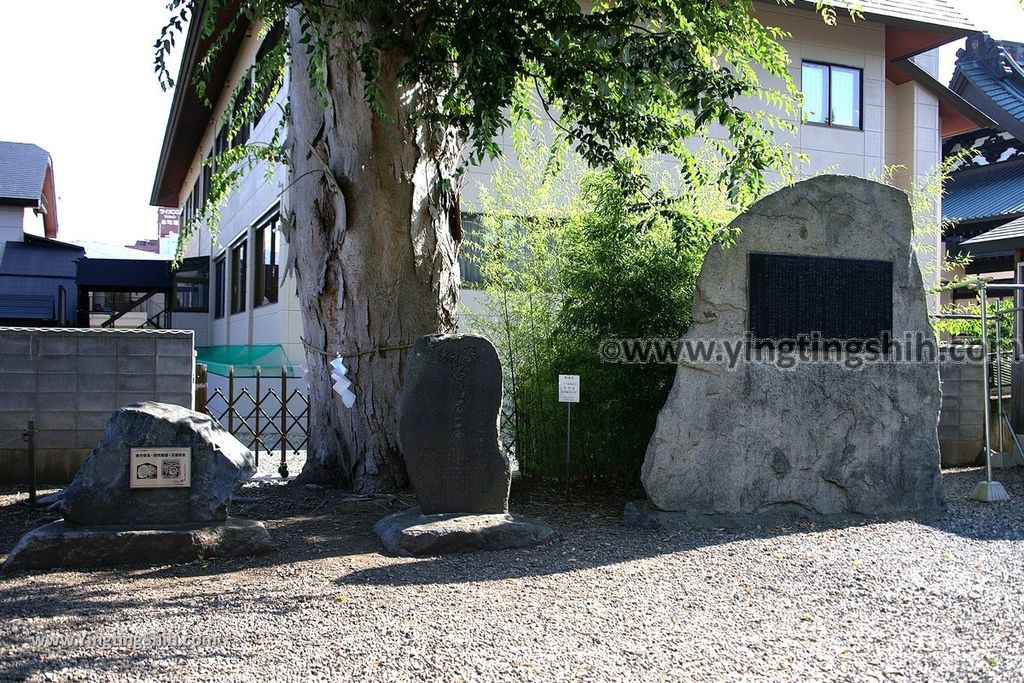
x: 161, y: 468
x: 569, y: 388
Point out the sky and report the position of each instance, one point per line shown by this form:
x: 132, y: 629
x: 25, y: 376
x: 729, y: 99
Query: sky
x: 79, y: 83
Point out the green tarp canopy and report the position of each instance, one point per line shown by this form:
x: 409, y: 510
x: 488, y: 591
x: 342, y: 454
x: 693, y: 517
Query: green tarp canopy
x: 269, y: 358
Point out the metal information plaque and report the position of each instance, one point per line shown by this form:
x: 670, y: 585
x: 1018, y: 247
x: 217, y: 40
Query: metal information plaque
x: 793, y: 297
x: 569, y: 388
x: 161, y: 468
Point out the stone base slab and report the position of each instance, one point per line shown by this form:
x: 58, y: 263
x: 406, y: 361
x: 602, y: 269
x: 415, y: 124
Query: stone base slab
x: 411, y: 533
x: 60, y: 544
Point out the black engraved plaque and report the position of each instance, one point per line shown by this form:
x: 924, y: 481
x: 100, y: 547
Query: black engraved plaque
x: 793, y: 297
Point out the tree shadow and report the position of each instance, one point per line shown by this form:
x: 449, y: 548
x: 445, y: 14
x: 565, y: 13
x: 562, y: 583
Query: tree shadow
x: 304, y: 524
x: 310, y: 524
x: 588, y: 541
x: 313, y: 525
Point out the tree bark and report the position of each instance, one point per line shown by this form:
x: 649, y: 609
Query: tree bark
x: 372, y: 204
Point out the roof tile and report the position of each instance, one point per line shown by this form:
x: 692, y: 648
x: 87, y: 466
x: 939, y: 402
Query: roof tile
x: 22, y: 171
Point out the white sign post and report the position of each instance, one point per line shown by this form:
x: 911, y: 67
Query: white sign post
x: 160, y: 468
x: 568, y: 393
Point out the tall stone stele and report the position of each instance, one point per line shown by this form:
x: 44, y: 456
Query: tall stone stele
x: 760, y: 442
x: 448, y: 426
x: 448, y: 431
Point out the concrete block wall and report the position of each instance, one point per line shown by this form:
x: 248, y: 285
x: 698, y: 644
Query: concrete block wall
x: 70, y: 381
x: 962, y: 418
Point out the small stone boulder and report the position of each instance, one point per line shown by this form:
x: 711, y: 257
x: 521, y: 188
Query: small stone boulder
x: 100, y: 492
x: 411, y: 533
x: 448, y: 426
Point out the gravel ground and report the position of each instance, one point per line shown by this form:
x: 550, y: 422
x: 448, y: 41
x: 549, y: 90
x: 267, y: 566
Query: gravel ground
x: 884, y: 601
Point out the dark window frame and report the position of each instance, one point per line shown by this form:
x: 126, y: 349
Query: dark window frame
x: 200, y: 266
x: 207, y: 177
x: 262, y: 292
x: 827, y: 123
x: 219, y: 285
x: 239, y: 275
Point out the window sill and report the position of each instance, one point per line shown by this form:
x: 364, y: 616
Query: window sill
x: 855, y: 129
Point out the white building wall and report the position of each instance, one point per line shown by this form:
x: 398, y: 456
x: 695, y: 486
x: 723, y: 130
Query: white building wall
x: 859, y: 45
x: 12, y: 226
x: 913, y: 147
x: 251, y: 201
x: 829, y: 149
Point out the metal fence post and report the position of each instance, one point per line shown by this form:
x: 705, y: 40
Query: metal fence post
x: 257, y: 404
x: 283, y: 468
x: 231, y: 399
x: 200, y: 389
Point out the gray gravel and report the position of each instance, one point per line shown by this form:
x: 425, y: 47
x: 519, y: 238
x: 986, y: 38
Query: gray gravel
x: 885, y: 601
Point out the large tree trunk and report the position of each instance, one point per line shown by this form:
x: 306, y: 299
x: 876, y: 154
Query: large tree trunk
x: 373, y: 239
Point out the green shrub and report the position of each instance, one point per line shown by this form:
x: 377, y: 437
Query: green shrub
x: 570, y: 258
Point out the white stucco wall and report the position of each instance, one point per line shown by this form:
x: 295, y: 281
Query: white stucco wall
x: 858, y: 44
x: 255, y: 196
x: 11, y: 226
x: 913, y: 145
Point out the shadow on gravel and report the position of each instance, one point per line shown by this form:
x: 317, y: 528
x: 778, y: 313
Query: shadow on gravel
x: 304, y: 525
x: 588, y: 541
x: 316, y: 524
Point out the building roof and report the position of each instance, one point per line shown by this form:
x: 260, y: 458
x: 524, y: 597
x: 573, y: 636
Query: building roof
x: 22, y: 173
x: 94, y: 249
x: 956, y: 115
x: 991, y: 79
x: 1005, y: 237
x: 40, y: 258
x: 986, y: 192
x: 935, y: 13
x: 189, y: 116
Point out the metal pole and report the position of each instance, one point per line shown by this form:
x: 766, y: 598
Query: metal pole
x: 999, y: 377
x: 231, y: 399
x: 568, y: 437
x: 283, y: 468
x: 30, y: 437
x: 201, y: 396
x: 256, y: 416
x: 1018, y: 306
x: 984, y: 372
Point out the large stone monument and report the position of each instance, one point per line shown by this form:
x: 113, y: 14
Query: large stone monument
x: 850, y: 435
x: 155, y: 490
x: 448, y: 432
